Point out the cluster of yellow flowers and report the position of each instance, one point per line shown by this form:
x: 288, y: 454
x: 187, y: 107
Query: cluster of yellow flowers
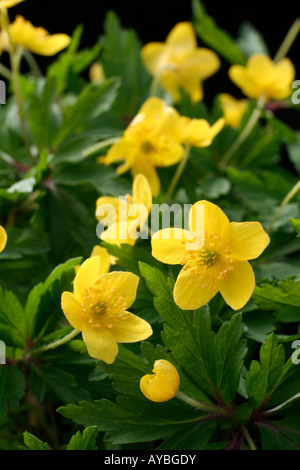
x: 214, y: 252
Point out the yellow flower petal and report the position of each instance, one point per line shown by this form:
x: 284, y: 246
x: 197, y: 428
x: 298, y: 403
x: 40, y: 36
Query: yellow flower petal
x: 105, y: 260
x: 152, y: 55
x: 100, y: 344
x: 238, y: 286
x: 141, y: 166
x: 87, y: 275
x: 3, y: 238
x: 37, y: 40
x: 193, y: 289
x: 163, y: 384
x: 206, y: 214
x: 112, y: 209
x: 182, y: 37
x: 121, y: 288
x: 9, y: 3
x: 247, y: 240
x: 130, y: 329
x: 168, y: 245
x: 72, y: 310
x: 121, y: 233
x: 233, y: 109
x: 141, y: 191
x: 121, y: 150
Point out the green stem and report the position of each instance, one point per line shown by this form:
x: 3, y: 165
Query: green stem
x: 288, y: 40
x: 5, y: 72
x: 245, y: 132
x: 154, y: 85
x: 32, y: 63
x: 248, y: 438
x: 285, y: 201
x: 15, y: 58
x: 57, y: 343
x: 99, y: 146
x: 178, y: 173
x: 200, y: 405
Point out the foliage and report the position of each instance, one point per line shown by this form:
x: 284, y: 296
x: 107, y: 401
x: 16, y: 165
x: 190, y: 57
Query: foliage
x: 240, y: 369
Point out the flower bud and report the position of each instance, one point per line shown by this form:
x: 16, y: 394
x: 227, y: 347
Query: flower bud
x: 163, y: 384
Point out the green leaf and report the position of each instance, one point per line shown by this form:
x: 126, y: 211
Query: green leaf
x: 212, y: 363
x: 93, y: 101
x: 104, y: 180
x: 13, y: 329
x: 133, y: 418
x: 214, y: 36
x: 33, y: 443
x: 63, y: 384
x: 85, y: 440
x: 12, y: 388
x: 274, y: 440
x: 296, y: 224
x: 251, y: 41
x: 263, y: 377
x: 190, y: 438
x: 283, y: 298
x: 43, y: 306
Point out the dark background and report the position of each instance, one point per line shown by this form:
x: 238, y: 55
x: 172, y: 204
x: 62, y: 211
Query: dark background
x: 153, y: 20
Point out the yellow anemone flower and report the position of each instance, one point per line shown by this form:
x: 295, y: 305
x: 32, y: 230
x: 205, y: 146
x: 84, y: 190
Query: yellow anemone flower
x: 179, y: 62
x: 37, y: 40
x: 125, y: 217
x: 149, y: 141
x: 198, y: 132
x: 98, y: 308
x: 9, y: 3
x: 233, y: 109
x: 163, y: 384
x: 105, y: 259
x: 214, y: 254
x: 262, y: 75
x: 3, y: 238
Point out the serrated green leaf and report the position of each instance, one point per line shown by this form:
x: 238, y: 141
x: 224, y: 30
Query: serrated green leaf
x: 263, y: 377
x: 85, y: 440
x: 214, y: 36
x: 12, y: 388
x: 13, y: 329
x: 33, y: 443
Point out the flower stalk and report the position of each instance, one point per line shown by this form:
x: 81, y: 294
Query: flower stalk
x: 178, y: 173
x: 57, y: 343
x: 200, y: 405
x: 285, y: 201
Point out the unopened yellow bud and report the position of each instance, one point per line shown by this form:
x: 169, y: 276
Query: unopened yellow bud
x: 96, y: 73
x: 163, y: 384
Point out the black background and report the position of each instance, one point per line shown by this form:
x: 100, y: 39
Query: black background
x: 153, y: 20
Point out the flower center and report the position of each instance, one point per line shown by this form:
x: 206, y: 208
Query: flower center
x: 147, y: 147
x: 211, y: 262
x: 100, y: 308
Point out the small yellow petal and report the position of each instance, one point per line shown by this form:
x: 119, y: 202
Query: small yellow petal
x: 121, y: 288
x: 141, y: 191
x: 163, y: 384
x: 141, y: 166
x: 3, y: 238
x: 182, y: 37
x: 247, y: 240
x: 72, y: 310
x: 238, y: 286
x: 209, y: 217
x: 87, y: 275
x: 100, y: 344
x: 169, y: 245
x: 104, y: 256
x: 152, y: 55
x: 130, y: 328
x: 194, y: 288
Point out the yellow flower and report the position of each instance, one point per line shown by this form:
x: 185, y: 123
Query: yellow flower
x: 179, y: 62
x: 151, y: 140
x: 214, y: 254
x: 9, y: 3
x: 198, y: 132
x: 105, y: 259
x: 163, y: 385
x: 3, y: 238
x: 233, y: 109
x: 125, y: 217
x: 262, y: 75
x: 37, y: 40
x: 96, y: 73
x: 98, y: 308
